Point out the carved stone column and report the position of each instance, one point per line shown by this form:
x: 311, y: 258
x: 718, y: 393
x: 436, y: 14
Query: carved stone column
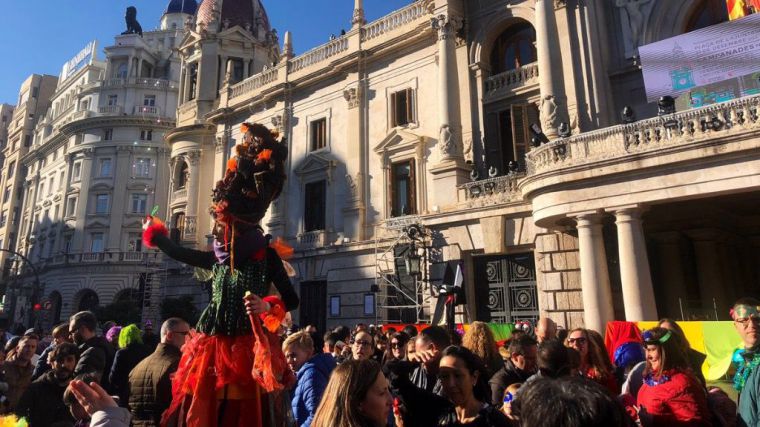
x: 595, y: 278
x: 553, y: 103
x: 357, y: 20
x: 636, y: 279
x: 449, y: 140
x: 193, y: 159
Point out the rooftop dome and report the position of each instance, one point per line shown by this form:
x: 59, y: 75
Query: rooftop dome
x: 245, y: 13
x: 182, y: 6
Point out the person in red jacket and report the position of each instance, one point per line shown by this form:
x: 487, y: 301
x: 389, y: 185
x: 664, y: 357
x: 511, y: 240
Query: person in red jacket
x: 671, y: 394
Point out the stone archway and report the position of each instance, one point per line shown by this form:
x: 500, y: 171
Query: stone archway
x: 86, y: 300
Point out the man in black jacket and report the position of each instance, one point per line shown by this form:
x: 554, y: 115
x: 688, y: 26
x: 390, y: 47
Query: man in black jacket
x: 520, y: 366
x: 42, y: 403
x: 96, y: 354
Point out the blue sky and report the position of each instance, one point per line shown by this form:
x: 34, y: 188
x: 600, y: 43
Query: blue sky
x: 40, y: 35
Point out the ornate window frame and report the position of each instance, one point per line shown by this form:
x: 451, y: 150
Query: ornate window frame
x: 413, y: 84
x: 398, y: 146
x: 317, y: 166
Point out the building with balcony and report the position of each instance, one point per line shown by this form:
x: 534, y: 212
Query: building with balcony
x: 95, y: 166
x: 410, y: 134
x: 16, y: 136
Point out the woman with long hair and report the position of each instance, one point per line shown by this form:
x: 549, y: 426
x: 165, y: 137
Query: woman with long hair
x: 479, y: 339
x: 695, y: 358
x: 671, y: 395
x: 463, y: 377
x: 357, y: 395
x: 594, y: 363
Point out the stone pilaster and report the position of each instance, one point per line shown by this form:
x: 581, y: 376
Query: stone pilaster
x: 78, y: 240
x: 354, y: 213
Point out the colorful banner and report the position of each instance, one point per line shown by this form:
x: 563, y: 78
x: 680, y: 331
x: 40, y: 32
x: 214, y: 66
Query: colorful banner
x: 717, y: 340
x: 702, y: 57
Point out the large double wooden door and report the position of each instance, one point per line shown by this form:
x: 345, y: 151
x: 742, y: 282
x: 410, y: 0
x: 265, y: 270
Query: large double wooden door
x: 505, y: 288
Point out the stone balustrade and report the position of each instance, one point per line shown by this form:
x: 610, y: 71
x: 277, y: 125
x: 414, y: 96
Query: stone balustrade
x: 499, y: 83
x: 130, y: 257
x: 146, y: 110
x: 254, y: 82
x: 405, y: 20
x: 491, y: 191
x: 179, y: 195
x: 318, y: 54
x: 730, y: 119
x: 136, y: 81
x: 111, y: 110
x: 312, y: 239
x: 395, y: 20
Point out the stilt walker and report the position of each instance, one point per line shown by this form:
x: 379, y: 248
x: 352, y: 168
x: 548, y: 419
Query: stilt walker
x: 233, y: 371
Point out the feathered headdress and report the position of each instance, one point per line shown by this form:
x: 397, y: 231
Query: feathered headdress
x: 253, y: 179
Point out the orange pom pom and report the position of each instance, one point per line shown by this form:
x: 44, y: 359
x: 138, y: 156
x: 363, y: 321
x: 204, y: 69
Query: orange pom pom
x: 244, y: 128
x: 265, y: 155
x: 284, y: 250
x: 232, y: 165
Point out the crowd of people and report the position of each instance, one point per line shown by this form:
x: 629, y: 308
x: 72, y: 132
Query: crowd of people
x: 368, y: 376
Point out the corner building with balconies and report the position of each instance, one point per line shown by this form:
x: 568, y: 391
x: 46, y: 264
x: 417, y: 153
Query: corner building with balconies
x: 419, y: 121
x: 94, y: 168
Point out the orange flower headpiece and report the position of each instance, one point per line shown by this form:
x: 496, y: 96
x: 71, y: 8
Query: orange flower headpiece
x: 253, y: 179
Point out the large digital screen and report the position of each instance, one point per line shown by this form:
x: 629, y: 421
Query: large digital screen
x: 730, y: 50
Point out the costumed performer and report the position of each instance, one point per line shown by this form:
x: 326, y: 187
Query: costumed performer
x: 232, y: 373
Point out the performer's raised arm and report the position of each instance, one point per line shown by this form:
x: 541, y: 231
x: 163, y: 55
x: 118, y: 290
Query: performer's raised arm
x: 155, y: 235
x: 281, y: 281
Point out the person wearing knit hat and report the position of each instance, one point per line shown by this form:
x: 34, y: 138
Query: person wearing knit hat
x: 233, y: 372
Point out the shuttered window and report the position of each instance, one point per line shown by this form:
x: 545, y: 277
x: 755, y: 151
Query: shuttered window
x: 402, y: 107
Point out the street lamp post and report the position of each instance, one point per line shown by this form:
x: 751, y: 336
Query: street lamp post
x: 33, y: 268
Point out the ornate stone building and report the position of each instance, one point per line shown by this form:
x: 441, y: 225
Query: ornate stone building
x: 93, y: 169
x: 419, y: 121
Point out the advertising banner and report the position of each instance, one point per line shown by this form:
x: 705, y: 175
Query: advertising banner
x: 83, y: 58
x: 710, y: 55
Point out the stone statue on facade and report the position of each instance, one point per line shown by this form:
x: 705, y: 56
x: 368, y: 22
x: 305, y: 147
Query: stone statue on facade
x: 549, y: 117
x: 637, y: 12
x: 133, y: 27
x: 446, y: 142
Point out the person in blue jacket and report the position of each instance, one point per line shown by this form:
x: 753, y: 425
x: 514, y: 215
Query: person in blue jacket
x: 312, y: 373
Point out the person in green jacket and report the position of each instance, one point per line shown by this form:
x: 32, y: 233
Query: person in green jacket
x: 746, y: 316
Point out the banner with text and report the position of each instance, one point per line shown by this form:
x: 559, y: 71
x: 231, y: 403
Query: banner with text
x: 702, y: 57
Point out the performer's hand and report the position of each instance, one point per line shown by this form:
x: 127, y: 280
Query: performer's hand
x: 255, y: 305
x: 147, y: 222
x: 92, y: 397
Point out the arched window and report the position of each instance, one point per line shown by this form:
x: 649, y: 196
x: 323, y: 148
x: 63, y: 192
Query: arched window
x: 514, y: 48
x: 129, y: 295
x: 88, y: 300
x: 183, y: 173
x: 706, y: 13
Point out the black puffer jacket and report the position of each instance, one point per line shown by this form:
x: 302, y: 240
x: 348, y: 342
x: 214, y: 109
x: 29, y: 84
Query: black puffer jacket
x: 42, y: 403
x: 150, y: 386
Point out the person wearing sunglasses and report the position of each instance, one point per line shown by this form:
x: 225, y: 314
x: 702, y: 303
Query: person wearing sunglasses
x: 746, y: 316
x: 671, y: 395
x: 594, y: 362
x: 397, y: 348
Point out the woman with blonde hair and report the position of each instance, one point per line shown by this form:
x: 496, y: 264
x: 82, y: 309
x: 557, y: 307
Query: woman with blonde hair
x: 594, y: 363
x: 479, y: 340
x: 356, y: 396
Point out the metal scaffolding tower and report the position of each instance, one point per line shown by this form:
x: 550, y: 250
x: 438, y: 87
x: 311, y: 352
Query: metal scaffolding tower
x: 402, y: 297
